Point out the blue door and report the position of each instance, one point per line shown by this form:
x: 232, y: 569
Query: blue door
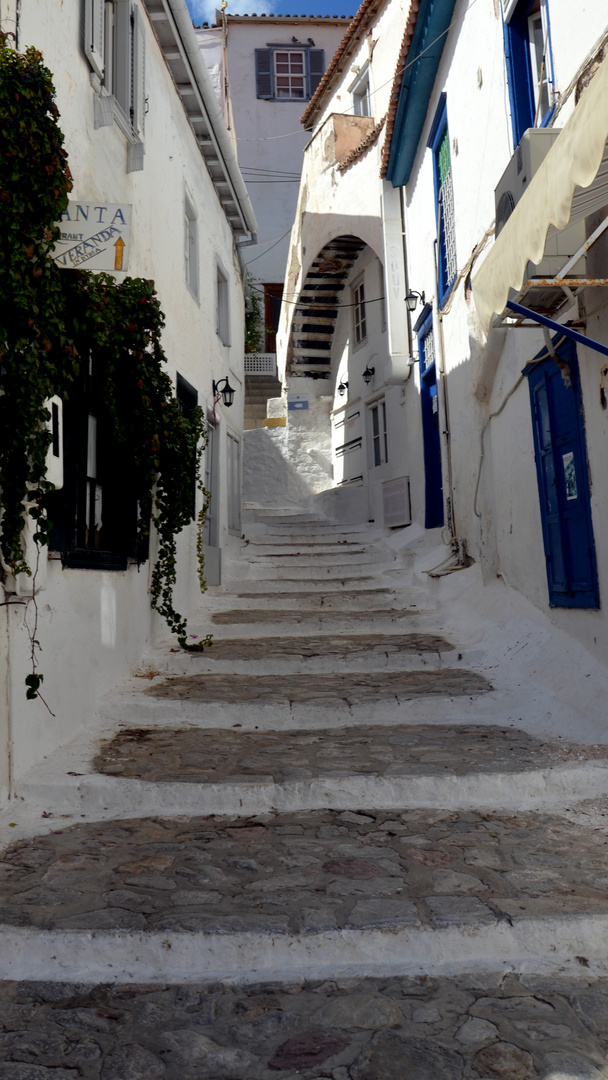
x: 429, y: 401
x: 563, y: 482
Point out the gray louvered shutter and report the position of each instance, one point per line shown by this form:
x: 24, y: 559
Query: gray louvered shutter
x: 123, y: 56
x: 94, y: 14
x: 316, y: 69
x: 138, y: 74
x: 263, y: 73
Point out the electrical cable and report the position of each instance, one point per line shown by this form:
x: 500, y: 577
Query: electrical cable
x: 261, y: 255
x: 317, y: 307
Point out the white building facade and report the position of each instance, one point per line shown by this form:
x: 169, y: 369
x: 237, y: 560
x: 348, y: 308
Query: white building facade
x: 265, y: 70
x: 142, y: 131
x: 485, y: 421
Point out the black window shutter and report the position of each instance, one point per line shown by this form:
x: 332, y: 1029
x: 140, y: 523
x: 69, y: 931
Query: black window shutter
x: 316, y: 68
x: 263, y: 73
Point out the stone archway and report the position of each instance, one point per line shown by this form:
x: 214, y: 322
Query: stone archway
x: 317, y: 308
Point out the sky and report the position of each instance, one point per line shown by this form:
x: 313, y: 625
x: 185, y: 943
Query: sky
x: 204, y: 10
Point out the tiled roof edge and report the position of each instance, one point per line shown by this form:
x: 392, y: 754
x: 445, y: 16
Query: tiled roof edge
x: 404, y: 52
x: 359, y: 24
x: 361, y: 149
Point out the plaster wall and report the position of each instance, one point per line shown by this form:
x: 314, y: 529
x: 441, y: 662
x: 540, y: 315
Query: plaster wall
x: 94, y: 625
x: 479, y: 373
x: 269, y: 137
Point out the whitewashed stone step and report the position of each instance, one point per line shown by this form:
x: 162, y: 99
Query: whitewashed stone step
x: 320, y: 892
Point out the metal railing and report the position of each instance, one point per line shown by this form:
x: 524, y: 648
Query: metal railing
x: 260, y: 363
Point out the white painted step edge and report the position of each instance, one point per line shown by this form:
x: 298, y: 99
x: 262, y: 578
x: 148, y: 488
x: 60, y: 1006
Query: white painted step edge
x: 104, y: 798
x: 532, y: 945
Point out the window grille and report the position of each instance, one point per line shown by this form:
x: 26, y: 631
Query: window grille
x: 359, y: 320
x: 290, y: 75
x: 446, y: 208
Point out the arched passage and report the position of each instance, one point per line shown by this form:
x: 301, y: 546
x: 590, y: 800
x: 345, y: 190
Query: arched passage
x: 317, y: 307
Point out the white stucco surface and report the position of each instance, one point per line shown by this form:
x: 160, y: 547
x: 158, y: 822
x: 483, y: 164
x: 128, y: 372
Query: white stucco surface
x: 93, y: 624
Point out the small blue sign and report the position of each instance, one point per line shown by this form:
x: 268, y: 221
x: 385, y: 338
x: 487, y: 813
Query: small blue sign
x: 297, y: 403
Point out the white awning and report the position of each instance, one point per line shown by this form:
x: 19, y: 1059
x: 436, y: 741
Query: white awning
x: 558, y: 195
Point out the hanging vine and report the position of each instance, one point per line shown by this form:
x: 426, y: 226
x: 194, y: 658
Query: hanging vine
x: 44, y: 314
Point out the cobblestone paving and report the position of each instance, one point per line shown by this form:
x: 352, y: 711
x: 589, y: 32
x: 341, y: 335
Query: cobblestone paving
x: 468, y: 1028
x: 305, y: 872
x: 366, y: 645
x: 192, y: 755
x: 320, y: 688
x: 250, y: 615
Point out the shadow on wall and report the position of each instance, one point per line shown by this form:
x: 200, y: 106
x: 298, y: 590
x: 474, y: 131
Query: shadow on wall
x: 269, y: 477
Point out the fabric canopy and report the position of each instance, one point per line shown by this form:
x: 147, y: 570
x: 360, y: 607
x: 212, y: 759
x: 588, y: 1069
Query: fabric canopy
x: 553, y: 198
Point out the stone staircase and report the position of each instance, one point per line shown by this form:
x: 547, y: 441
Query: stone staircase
x: 320, y: 849
x: 258, y: 389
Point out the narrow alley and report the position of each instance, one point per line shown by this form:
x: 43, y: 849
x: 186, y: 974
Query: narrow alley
x: 323, y: 848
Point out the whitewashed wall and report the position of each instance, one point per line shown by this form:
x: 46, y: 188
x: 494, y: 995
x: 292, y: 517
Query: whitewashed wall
x: 95, y: 625
x: 507, y: 538
x: 268, y: 133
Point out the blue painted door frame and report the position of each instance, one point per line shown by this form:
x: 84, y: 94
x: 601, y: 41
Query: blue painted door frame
x: 433, y: 480
x: 563, y: 482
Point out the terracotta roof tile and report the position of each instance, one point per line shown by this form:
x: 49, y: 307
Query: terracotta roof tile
x: 360, y: 23
x: 404, y: 52
x: 361, y: 149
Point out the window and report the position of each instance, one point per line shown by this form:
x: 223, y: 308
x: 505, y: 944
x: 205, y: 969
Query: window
x: 379, y: 433
x: 94, y: 516
x: 191, y: 247
x: 529, y: 64
x: 288, y: 74
x: 223, y: 307
x: 439, y: 142
x: 114, y: 42
x: 362, y: 105
x: 359, y: 320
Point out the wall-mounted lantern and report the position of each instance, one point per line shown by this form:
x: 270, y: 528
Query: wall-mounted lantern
x: 225, y: 390
x: 412, y: 299
x: 342, y: 388
x: 368, y: 375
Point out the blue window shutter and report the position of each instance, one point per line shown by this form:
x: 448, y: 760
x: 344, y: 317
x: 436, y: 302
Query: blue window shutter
x: 263, y: 73
x: 316, y: 69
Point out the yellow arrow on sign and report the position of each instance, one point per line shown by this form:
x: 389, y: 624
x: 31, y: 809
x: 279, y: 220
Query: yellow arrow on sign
x: 120, y: 246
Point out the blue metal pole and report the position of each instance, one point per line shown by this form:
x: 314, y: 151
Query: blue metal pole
x: 557, y: 327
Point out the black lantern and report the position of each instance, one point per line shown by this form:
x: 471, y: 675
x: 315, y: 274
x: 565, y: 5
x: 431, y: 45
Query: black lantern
x: 224, y: 388
x: 342, y: 388
x: 412, y: 299
x: 368, y: 375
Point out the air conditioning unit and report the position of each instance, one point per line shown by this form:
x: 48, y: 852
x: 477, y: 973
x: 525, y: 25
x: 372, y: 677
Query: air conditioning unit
x: 527, y: 159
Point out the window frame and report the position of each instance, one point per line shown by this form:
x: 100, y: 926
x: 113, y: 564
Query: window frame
x: 191, y: 254
x: 222, y: 304
x: 115, y: 47
x: 266, y: 74
x: 521, y: 61
x: 357, y: 292
x: 447, y: 258
x: 360, y: 92
x: 378, y: 433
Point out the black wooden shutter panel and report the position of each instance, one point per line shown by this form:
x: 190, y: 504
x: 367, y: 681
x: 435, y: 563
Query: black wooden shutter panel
x: 316, y: 67
x: 263, y: 73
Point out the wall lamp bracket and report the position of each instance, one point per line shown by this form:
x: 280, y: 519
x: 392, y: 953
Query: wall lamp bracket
x: 224, y: 390
x: 412, y: 299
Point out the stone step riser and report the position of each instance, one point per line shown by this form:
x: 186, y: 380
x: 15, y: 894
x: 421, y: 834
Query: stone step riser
x: 90, y: 795
x: 532, y: 945
x: 258, y: 549
x: 297, y: 665
x: 341, y: 570
x: 132, y: 710
x: 344, y: 559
